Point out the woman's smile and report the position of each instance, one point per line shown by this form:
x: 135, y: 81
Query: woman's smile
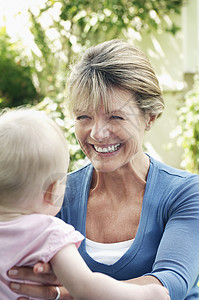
x: 107, y: 149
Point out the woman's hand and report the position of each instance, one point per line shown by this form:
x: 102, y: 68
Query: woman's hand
x: 43, y: 284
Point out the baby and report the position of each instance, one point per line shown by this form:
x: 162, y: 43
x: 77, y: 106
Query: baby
x: 33, y: 163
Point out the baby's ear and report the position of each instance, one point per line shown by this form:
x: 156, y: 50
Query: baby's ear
x: 49, y: 195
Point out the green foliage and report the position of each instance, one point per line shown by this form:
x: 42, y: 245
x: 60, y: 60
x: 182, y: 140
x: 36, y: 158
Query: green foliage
x: 48, y: 65
x: 188, y: 130
x: 72, y: 26
x: 16, y: 86
x: 64, y: 28
x: 99, y: 19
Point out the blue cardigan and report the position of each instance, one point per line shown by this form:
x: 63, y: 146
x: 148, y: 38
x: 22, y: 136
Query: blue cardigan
x: 167, y: 241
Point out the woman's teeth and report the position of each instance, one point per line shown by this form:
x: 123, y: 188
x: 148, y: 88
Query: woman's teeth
x: 107, y: 149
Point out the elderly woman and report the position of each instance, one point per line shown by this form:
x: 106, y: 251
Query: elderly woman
x: 140, y: 217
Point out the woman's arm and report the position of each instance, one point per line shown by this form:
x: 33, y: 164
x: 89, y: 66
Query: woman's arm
x: 177, y: 261
x: 144, y: 280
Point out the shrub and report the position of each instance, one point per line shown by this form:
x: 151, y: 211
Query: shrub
x: 188, y: 130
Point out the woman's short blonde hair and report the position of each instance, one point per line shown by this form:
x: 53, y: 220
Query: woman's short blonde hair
x: 109, y: 65
x: 33, y: 151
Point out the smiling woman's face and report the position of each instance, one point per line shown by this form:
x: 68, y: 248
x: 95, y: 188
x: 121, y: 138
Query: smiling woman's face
x: 111, y: 140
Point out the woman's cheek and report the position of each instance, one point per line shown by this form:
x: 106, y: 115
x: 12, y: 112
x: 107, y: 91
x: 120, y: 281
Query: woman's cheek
x: 78, y: 131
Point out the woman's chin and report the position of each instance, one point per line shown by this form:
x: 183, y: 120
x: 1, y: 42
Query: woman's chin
x: 104, y: 167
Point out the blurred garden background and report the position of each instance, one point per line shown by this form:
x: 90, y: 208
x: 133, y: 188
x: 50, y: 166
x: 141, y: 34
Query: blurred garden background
x: 39, y: 39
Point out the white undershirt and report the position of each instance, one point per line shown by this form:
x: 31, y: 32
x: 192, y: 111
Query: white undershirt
x: 107, y: 253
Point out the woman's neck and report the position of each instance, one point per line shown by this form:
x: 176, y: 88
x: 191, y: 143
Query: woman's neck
x: 133, y: 174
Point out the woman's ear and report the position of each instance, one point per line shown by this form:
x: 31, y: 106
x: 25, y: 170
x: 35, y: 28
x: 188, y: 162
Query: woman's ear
x: 150, y: 119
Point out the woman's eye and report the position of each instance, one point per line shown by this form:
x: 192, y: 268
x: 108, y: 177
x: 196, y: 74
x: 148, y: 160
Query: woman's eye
x: 82, y: 117
x: 116, y: 118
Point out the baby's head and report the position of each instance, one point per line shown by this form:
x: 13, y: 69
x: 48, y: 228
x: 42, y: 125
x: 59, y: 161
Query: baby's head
x: 34, y: 160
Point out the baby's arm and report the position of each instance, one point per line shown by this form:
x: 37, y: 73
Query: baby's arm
x: 83, y: 284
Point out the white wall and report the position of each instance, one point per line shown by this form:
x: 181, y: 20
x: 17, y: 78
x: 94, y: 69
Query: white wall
x: 190, y: 27
x: 175, y: 59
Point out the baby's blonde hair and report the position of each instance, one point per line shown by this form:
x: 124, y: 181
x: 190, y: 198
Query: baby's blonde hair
x: 33, y: 152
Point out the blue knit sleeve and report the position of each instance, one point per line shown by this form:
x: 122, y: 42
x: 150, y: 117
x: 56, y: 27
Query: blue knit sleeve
x: 177, y: 260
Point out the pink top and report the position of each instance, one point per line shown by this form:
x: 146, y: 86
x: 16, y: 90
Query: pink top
x: 29, y: 239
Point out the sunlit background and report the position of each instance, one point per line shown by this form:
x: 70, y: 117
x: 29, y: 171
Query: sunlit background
x: 39, y: 39
x: 14, y: 16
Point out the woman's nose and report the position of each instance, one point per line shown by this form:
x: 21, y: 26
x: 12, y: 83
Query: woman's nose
x: 100, y: 131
